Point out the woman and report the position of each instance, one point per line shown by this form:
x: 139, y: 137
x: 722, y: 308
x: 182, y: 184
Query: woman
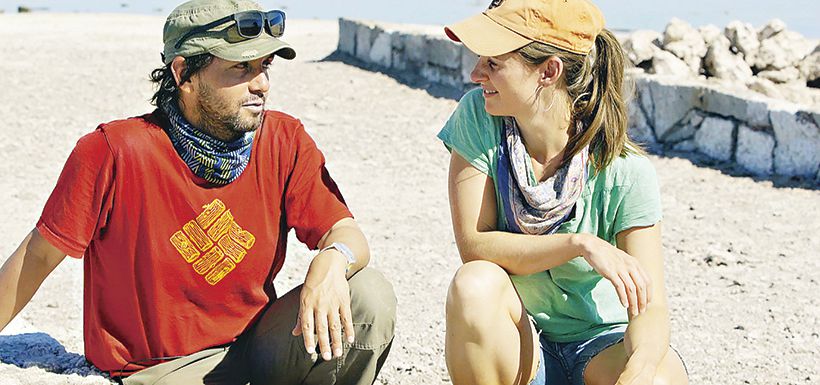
x: 556, y: 213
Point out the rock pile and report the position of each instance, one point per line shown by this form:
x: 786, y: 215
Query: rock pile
x: 772, y: 60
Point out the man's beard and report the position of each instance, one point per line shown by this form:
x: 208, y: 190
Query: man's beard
x: 221, y: 119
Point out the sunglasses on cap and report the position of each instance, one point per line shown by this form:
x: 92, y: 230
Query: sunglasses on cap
x: 249, y: 24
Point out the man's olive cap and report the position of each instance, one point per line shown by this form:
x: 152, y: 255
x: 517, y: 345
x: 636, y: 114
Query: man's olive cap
x: 222, y: 41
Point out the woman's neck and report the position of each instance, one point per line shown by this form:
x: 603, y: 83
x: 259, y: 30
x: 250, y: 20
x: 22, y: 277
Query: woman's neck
x: 545, y: 131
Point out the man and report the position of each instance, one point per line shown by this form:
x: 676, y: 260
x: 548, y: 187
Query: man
x: 182, y: 218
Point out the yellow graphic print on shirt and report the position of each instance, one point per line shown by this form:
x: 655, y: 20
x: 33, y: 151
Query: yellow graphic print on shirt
x: 213, y: 243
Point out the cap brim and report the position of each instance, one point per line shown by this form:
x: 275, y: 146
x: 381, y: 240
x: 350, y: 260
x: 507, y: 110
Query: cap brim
x: 253, y: 49
x: 485, y: 37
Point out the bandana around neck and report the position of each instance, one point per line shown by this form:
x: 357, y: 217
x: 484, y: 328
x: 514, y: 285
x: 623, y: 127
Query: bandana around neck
x: 540, y: 208
x: 209, y: 158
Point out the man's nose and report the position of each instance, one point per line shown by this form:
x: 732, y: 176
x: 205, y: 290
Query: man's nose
x: 260, y: 83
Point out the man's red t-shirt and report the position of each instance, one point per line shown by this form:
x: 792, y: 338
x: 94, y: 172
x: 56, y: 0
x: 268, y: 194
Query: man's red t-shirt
x: 174, y: 264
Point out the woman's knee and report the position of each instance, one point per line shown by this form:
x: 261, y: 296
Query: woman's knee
x: 477, y: 285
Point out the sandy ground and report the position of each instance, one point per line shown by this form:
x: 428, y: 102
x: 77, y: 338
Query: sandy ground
x: 742, y: 256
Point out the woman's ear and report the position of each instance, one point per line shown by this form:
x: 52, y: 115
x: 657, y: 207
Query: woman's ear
x: 550, y: 71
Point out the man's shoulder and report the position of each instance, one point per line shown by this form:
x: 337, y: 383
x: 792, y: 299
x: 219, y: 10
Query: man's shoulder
x: 126, y: 126
x: 280, y: 120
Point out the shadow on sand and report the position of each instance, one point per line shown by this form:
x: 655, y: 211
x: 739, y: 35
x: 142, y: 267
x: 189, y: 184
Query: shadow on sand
x: 40, y: 350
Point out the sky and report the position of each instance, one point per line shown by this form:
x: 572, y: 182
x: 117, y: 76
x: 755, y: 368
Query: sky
x: 799, y: 15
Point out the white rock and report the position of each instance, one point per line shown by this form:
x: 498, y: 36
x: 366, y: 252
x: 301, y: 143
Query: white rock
x: 771, y: 28
x: 381, y: 51
x: 798, y: 141
x: 721, y: 63
x: 786, y: 75
x: 785, y: 49
x: 665, y: 63
x: 685, y: 42
x: 754, y: 150
x: 743, y: 39
x: 714, y: 138
x: 709, y: 32
x: 810, y: 67
x: 641, y: 45
x: 765, y: 87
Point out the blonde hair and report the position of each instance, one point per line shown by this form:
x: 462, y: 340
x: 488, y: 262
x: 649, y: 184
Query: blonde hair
x: 595, y: 84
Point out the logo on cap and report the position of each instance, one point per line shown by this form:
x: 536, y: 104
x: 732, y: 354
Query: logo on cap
x: 249, y: 53
x: 495, y: 3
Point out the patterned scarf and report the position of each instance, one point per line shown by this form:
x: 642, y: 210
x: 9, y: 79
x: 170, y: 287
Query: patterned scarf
x: 209, y: 158
x: 542, y: 208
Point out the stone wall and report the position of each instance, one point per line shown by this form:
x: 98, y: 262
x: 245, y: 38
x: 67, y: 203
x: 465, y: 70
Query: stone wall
x: 762, y: 135
x: 419, y: 50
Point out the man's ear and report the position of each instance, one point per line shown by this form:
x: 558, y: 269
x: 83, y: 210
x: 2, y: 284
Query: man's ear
x: 550, y: 71
x: 178, y: 66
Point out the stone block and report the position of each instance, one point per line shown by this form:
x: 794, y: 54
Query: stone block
x: 415, y: 47
x: 398, y: 60
x: 381, y: 50
x: 672, y: 102
x: 684, y: 129
x: 753, y: 112
x: 714, y: 138
x: 797, y: 151
x: 468, y: 62
x: 639, y: 129
x: 347, y: 36
x: 685, y: 146
x: 444, y: 52
x: 754, y: 150
x: 398, y: 41
x: 365, y: 35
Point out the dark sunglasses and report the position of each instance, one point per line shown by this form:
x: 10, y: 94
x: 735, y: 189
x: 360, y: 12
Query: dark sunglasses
x: 249, y: 24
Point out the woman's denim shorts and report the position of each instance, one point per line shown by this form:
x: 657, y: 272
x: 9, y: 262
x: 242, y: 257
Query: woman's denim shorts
x: 564, y: 363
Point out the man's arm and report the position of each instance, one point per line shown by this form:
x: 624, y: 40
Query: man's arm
x: 347, y: 231
x: 23, y: 272
x: 324, y: 308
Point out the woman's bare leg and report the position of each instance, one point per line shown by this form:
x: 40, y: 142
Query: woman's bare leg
x: 489, y: 337
x: 607, y: 366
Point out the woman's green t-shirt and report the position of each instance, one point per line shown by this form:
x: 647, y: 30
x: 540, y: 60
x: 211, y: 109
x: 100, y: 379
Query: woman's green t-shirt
x: 570, y: 302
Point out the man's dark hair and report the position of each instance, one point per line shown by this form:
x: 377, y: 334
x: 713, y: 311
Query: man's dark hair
x: 163, y: 78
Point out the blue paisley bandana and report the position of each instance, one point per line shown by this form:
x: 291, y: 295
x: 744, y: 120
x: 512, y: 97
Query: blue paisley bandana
x: 209, y: 158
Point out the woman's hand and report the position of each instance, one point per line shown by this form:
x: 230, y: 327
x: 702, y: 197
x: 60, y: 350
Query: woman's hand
x: 633, y: 285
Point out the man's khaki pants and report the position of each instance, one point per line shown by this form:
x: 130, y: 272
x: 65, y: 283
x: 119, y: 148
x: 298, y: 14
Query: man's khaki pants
x: 269, y: 354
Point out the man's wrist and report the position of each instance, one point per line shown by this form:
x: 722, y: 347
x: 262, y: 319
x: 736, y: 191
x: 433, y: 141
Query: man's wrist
x: 345, y: 251
x: 332, y: 257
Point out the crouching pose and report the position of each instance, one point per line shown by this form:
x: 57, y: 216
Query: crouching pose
x: 556, y: 213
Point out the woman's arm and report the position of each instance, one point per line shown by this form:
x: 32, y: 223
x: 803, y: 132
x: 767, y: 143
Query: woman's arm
x: 647, y: 336
x: 473, y: 209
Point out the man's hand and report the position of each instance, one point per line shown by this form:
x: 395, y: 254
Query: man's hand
x: 324, y: 307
